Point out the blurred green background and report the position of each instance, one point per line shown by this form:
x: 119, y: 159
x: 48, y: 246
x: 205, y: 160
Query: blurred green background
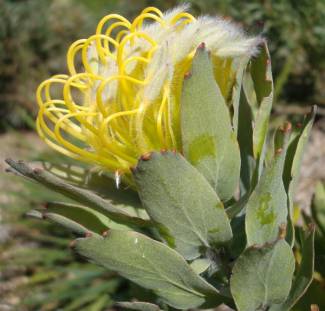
x: 35, y: 35
x: 37, y: 271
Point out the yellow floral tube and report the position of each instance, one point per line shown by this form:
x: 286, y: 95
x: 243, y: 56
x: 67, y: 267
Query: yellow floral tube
x: 125, y: 100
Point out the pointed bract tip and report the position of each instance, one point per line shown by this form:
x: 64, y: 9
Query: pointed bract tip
x: 45, y: 205
x: 287, y: 126
x: 282, y: 231
x: 146, y: 156
x: 37, y: 170
x: 201, y: 46
x: 314, y: 308
x: 187, y: 75
x: 73, y: 244
x: 105, y: 233
x: 255, y: 246
x: 311, y: 227
x: 299, y: 125
x: 88, y: 234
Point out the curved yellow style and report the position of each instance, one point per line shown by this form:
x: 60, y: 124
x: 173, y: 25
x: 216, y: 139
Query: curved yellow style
x: 123, y: 101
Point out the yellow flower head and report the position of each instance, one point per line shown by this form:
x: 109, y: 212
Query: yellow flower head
x: 125, y: 101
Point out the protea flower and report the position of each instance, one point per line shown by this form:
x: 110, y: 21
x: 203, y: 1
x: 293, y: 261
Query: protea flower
x: 180, y: 107
x: 125, y: 101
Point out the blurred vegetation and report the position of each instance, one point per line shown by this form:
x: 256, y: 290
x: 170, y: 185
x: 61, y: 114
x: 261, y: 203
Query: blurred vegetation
x: 37, y: 270
x: 35, y: 35
x: 39, y: 273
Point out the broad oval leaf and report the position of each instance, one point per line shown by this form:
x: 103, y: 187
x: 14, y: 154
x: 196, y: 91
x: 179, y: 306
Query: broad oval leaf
x: 180, y: 200
x: 150, y: 264
x: 208, y: 140
x: 262, y: 276
x: 81, y: 217
x: 305, y: 273
x: 138, y: 305
x: 266, y: 209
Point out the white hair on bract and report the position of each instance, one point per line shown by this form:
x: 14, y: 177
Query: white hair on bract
x: 125, y: 99
x: 222, y: 38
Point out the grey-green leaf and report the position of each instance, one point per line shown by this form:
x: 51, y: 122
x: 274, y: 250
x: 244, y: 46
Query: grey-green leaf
x: 88, y: 218
x: 294, y: 156
x: 304, y: 276
x: 184, y: 205
x: 83, y: 196
x: 261, y: 73
x: 68, y: 223
x: 137, y: 305
x: 262, y: 276
x: 208, y: 140
x: 266, y: 209
x: 200, y: 265
x: 150, y: 264
x: 101, y: 183
x: 318, y: 206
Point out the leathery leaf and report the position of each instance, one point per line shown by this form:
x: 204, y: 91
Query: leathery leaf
x: 318, y: 206
x: 305, y: 273
x: 138, y: 305
x: 208, y: 140
x: 267, y: 207
x: 180, y: 200
x: 83, y: 216
x: 262, y: 276
x: 294, y: 157
x: 82, y: 196
x: 150, y: 264
x: 261, y: 74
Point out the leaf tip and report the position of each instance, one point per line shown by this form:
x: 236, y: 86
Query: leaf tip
x: 311, y: 227
x: 88, y: 234
x: 187, y: 75
x: 73, y: 244
x: 314, y: 308
x: 147, y: 156
x: 37, y: 170
x: 201, y: 46
x: 45, y: 205
x: 287, y: 127
x: 282, y: 231
x: 105, y: 233
x: 299, y: 125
